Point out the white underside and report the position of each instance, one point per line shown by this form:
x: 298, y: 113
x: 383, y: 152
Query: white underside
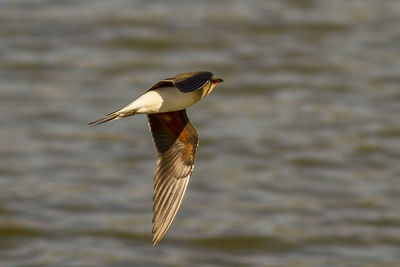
x: 165, y: 99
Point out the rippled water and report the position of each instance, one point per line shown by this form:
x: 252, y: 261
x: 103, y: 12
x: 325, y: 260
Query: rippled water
x: 298, y: 162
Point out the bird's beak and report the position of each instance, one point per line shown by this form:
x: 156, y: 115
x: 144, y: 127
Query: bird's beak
x: 218, y: 80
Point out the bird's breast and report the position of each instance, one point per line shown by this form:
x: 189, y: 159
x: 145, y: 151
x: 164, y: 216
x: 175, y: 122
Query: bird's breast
x: 165, y: 99
x: 172, y: 99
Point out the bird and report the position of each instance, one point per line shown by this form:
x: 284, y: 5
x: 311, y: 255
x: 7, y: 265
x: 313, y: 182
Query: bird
x: 175, y: 138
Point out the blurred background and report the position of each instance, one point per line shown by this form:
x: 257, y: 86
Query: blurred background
x: 298, y: 163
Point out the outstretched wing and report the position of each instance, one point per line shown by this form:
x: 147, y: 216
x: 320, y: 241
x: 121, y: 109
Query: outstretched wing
x: 176, y: 141
x: 185, y: 82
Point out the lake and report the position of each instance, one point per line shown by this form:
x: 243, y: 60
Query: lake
x: 298, y: 163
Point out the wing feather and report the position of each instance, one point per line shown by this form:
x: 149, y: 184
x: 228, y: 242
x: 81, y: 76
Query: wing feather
x: 185, y: 82
x: 176, y: 141
x: 194, y: 82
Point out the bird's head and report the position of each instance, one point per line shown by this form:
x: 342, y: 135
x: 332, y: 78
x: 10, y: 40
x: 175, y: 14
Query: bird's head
x: 208, y: 87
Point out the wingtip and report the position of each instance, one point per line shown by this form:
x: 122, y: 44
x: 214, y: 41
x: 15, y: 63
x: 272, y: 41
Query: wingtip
x: 156, y: 240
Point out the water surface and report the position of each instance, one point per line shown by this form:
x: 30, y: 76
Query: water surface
x: 298, y: 162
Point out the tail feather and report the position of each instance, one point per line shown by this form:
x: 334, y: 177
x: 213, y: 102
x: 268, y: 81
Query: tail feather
x: 113, y: 116
x: 107, y: 118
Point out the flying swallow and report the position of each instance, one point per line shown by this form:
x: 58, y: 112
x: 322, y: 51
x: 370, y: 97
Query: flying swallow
x: 175, y: 138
